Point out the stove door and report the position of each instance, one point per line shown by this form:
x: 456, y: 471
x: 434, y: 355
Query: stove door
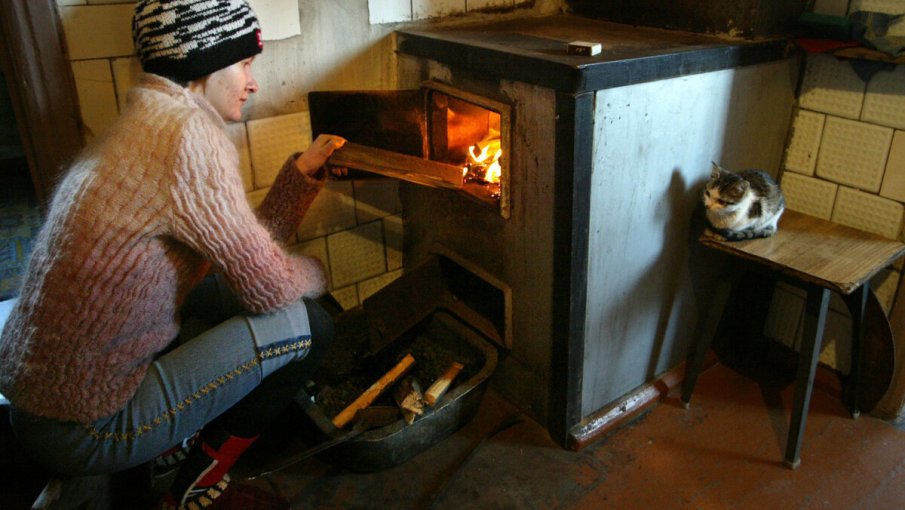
x: 392, y: 120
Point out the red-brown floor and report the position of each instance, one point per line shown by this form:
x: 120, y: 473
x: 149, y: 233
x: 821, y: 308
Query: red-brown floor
x: 723, y: 452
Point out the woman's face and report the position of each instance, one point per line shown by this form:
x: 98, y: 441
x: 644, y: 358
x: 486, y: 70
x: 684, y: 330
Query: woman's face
x: 228, y: 89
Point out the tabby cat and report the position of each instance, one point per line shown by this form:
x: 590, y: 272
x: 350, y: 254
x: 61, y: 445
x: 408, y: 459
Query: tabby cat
x: 742, y: 205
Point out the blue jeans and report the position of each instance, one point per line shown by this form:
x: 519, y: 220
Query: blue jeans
x: 184, y: 389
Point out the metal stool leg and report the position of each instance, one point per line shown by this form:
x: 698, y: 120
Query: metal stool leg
x: 814, y: 323
x: 857, y: 302
x: 707, y: 326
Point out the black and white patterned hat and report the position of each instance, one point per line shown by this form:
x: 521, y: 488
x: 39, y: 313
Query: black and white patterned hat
x: 187, y: 39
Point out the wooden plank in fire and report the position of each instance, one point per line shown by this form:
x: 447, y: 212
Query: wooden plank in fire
x: 400, y: 166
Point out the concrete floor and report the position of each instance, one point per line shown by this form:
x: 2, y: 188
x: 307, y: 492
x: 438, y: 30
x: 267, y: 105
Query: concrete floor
x: 723, y: 452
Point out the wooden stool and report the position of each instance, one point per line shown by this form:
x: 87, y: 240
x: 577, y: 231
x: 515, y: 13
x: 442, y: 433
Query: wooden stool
x: 818, y: 256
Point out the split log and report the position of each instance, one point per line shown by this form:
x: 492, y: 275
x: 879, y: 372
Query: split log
x: 409, y: 398
x: 400, y: 166
x: 371, y: 394
x: 439, y: 387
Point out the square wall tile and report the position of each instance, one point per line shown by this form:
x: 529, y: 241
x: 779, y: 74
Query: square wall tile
x: 836, y: 350
x: 315, y: 248
x: 356, y: 255
x: 239, y: 136
x: 884, y: 102
x: 125, y: 76
x: 885, y: 284
x: 273, y: 140
x: 831, y: 7
x: 393, y: 235
x: 422, y: 9
x: 98, y: 31
x: 389, y: 11
x: 868, y: 212
x: 801, y: 154
x: 97, y: 97
x: 854, y: 153
x: 347, y: 297
x: 831, y: 86
x: 255, y: 197
x: 809, y: 195
x: 894, y: 177
x: 376, y: 198
x: 884, y: 6
x: 784, y: 315
x: 370, y: 287
x: 332, y: 211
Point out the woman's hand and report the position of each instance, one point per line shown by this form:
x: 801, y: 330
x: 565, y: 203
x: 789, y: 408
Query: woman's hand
x: 317, y: 154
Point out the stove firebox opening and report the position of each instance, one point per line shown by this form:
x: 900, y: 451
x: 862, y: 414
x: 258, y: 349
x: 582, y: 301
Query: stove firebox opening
x: 472, y: 132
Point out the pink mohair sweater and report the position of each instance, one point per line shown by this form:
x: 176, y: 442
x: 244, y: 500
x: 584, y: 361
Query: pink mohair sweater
x: 138, y: 220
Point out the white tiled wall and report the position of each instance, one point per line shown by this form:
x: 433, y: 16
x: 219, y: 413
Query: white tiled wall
x: 845, y: 162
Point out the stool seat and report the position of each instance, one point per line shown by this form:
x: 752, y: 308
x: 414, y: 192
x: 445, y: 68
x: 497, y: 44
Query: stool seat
x: 813, y: 250
x: 821, y: 257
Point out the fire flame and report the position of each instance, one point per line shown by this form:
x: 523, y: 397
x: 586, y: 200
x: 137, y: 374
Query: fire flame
x: 484, y: 159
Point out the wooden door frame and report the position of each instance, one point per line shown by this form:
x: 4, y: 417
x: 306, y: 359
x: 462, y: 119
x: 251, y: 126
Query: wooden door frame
x: 41, y: 88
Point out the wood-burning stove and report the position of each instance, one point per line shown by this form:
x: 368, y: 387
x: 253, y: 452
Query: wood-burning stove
x: 602, y: 158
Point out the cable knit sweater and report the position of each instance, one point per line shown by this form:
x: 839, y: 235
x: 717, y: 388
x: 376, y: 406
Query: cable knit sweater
x: 138, y: 220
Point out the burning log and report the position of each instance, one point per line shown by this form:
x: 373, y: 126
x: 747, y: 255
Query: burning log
x: 409, y: 398
x: 370, y: 395
x: 400, y: 166
x: 439, y: 387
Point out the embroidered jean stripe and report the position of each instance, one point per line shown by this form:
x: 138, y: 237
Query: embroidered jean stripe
x: 286, y: 346
x: 276, y: 349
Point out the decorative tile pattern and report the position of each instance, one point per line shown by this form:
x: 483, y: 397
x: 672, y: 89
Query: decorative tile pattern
x: 357, y: 254
x: 831, y: 7
x: 868, y: 212
x: 256, y: 197
x: 125, y: 76
x: 370, y: 287
x: 393, y: 234
x: 809, y: 195
x: 884, y: 102
x: 333, y: 210
x: 376, y: 198
x: 831, y: 86
x: 784, y: 315
x: 98, y: 31
x: 836, y: 351
x: 274, y: 139
x: 347, y: 297
x: 894, y: 177
x: 884, y: 284
x: 97, y: 97
x: 801, y: 154
x: 316, y: 248
x: 854, y: 153
x: 884, y: 6
x: 239, y: 136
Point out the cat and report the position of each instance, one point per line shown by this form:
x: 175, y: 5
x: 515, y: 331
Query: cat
x: 742, y: 205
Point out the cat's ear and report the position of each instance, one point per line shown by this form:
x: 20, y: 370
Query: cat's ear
x: 715, y: 170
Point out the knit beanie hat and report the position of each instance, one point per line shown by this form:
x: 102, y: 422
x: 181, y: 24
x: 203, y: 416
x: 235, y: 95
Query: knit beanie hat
x: 187, y: 39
